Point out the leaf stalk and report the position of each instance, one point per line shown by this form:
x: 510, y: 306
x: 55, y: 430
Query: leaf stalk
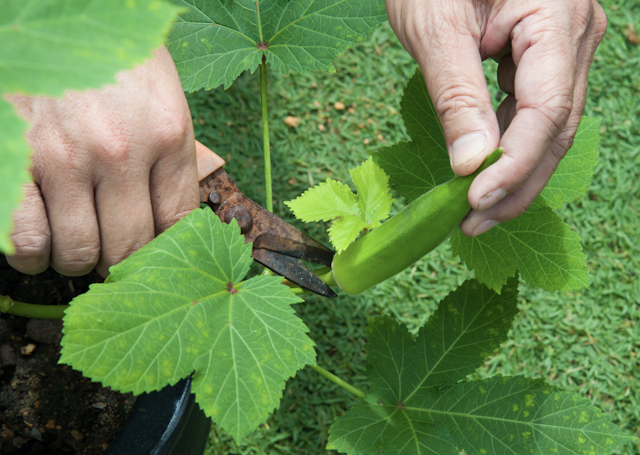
x: 265, y: 135
x: 336, y: 380
x: 31, y: 310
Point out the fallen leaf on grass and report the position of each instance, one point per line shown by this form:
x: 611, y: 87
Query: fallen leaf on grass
x: 339, y: 106
x: 632, y: 36
x: 292, y: 121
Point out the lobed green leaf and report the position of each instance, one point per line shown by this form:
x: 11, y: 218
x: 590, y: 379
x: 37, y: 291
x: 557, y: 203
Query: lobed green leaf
x: 178, y: 305
x: 327, y: 200
x: 415, y: 405
x: 55, y: 45
x: 420, y: 165
x: 538, y: 244
x: 468, y: 325
x: 214, y: 41
x: 573, y: 175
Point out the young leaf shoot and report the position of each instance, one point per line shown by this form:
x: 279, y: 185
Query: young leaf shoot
x: 352, y: 212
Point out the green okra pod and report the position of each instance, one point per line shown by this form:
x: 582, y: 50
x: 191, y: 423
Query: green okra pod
x: 408, y: 236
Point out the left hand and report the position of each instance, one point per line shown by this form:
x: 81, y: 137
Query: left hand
x: 545, y: 49
x: 112, y: 169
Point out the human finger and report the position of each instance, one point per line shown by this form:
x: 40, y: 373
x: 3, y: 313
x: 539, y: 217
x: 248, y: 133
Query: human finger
x: 31, y: 235
x: 513, y: 204
x: 545, y: 52
x: 518, y: 202
x: 452, y: 67
x: 68, y: 195
x: 124, y: 213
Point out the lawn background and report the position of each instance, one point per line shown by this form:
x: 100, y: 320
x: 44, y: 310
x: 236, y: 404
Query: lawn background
x: 586, y: 341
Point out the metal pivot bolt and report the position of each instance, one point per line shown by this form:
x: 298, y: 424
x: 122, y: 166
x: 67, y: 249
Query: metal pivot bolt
x: 215, y: 198
x: 242, y: 215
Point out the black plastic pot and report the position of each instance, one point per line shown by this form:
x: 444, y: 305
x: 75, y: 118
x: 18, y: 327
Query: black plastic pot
x: 168, y: 422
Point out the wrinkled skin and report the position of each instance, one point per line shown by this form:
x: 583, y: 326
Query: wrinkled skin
x: 544, y: 49
x: 112, y: 168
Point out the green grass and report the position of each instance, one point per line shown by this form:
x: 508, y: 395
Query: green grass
x: 586, y: 341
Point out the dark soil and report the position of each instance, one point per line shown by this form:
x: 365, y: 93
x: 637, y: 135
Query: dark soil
x: 46, y: 408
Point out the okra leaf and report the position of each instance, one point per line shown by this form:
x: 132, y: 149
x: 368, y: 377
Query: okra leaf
x: 345, y: 230
x: 413, y: 408
x: 374, y: 199
x: 55, y: 45
x: 418, y: 166
x: 327, y: 200
x: 13, y: 171
x: 469, y: 324
x: 573, y: 176
x: 330, y: 199
x: 538, y: 244
x: 179, y: 305
x: 214, y: 41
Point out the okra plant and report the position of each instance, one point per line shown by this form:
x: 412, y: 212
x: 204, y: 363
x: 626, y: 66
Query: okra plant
x: 182, y: 304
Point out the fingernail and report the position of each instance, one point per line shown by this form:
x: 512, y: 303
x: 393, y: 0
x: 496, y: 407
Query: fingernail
x: 467, y: 148
x: 490, y: 199
x: 484, y: 227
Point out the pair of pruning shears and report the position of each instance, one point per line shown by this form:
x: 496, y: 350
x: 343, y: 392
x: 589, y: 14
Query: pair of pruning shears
x: 276, y: 244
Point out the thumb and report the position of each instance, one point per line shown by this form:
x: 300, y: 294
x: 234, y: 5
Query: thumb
x: 208, y: 161
x: 452, y: 69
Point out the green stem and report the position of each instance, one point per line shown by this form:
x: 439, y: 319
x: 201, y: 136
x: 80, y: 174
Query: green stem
x: 31, y: 310
x: 265, y: 134
x: 259, y: 21
x: 326, y: 275
x: 335, y: 379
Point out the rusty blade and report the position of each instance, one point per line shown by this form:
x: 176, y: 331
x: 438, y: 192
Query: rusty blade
x: 311, y: 250
x: 227, y: 201
x: 292, y: 269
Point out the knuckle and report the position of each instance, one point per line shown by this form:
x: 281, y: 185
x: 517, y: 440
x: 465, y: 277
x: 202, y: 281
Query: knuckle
x: 517, y: 206
x: 54, y: 149
x: 600, y: 23
x: 554, y: 113
x: 174, y: 127
x: 123, y: 250
x: 114, y: 144
x: 582, y: 13
x: 30, y: 246
x: 456, y: 98
x: 76, y: 260
x: 557, y: 112
x: 563, y: 143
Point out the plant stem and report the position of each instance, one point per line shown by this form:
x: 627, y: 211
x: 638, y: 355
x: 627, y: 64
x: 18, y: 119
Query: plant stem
x: 265, y: 134
x: 326, y: 275
x: 335, y: 379
x: 259, y: 21
x: 31, y: 310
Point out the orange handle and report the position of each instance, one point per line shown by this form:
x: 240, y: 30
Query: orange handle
x: 208, y: 161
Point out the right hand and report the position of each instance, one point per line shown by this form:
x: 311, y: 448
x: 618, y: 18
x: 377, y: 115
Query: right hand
x: 545, y: 49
